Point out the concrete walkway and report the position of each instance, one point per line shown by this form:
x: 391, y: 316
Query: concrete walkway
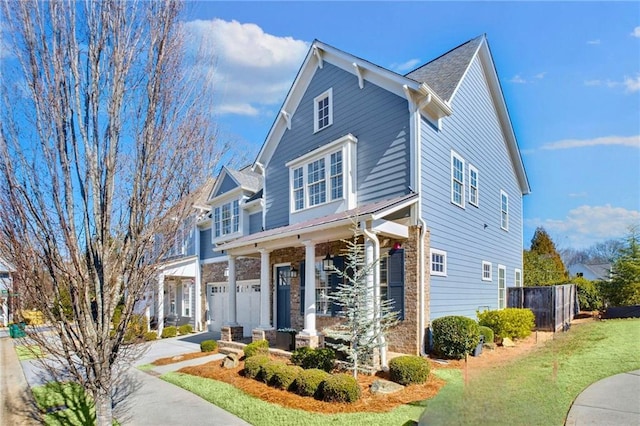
x: 140, y: 398
x: 611, y: 401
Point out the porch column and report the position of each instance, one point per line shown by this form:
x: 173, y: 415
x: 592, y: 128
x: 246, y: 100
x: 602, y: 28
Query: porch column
x: 310, y: 289
x: 369, y: 259
x: 265, y: 266
x: 232, y: 320
x: 198, y: 285
x: 160, y: 306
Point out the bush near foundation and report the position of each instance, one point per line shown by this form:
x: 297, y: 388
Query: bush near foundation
x: 269, y: 370
x: 308, y: 382
x: 455, y: 336
x: 322, y: 358
x: 488, y: 334
x: 259, y: 347
x: 150, y: 336
x: 284, y: 376
x: 409, y: 369
x: 208, y: 345
x: 340, y: 388
x: 253, y: 366
x: 170, y: 331
x: 514, y: 323
x: 185, y: 329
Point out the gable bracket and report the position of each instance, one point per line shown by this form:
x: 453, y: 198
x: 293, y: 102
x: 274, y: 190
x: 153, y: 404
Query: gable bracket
x: 359, y: 72
x: 287, y: 118
x: 318, y: 54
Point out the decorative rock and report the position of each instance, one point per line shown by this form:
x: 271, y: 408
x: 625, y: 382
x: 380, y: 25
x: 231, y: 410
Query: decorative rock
x: 508, y: 343
x: 385, y: 387
x: 231, y: 361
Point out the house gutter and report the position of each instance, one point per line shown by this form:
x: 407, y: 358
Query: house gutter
x: 376, y: 293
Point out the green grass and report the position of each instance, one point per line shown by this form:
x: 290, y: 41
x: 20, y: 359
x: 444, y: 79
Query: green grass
x: 65, y: 404
x: 537, y: 389
x: 146, y: 367
x: 26, y: 352
x: 540, y: 388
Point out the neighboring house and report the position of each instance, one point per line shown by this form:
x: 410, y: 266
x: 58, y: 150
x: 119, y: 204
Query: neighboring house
x: 591, y: 272
x: 426, y: 164
x: 6, y: 290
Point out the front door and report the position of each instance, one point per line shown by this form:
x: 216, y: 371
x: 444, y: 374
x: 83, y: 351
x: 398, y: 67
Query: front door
x: 283, y: 297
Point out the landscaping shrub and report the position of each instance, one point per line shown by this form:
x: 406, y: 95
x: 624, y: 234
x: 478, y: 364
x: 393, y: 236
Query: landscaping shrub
x: 340, y: 388
x: 455, y: 336
x: 136, y: 328
x: 409, y: 369
x: 185, y: 329
x: 270, y: 369
x: 170, y: 331
x: 487, y: 333
x: 208, y: 345
x: 259, y: 347
x: 284, y: 376
x: 514, y: 323
x: 589, y: 297
x: 150, y: 336
x: 308, y: 382
x: 322, y: 358
x: 253, y: 366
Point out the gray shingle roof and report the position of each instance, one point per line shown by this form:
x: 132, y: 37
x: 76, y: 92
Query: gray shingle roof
x: 444, y: 73
x: 247, y: 178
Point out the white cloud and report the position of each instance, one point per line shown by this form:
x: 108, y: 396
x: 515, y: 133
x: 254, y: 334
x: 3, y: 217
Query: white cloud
x: 636, y: 32
x: 586, y: 225
x: 540, y: 75
x: 632, y: 84
x: 632, y: 141
x: 594, y: 42
x: 518, y: 79
x: 249, y: 69
x: 405, y: 66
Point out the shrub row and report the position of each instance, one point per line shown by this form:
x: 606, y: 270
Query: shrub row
x: 208, y: 345
x: 455, y: 336
x: 513, y: 323
x: 321, y: 358
x: 487, y: 333
x: 259, y: 347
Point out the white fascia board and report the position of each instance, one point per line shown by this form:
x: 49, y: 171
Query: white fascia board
x: 503, y: 114
x: 394, y: 208
x: 231, y: 195
x: 391, y: 229
x: 177, y: 263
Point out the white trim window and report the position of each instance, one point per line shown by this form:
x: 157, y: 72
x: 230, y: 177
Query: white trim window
x: 438, y: 262
x: 457, y: 179
x: 186, y: 299
x: 226, y: 219
x: 504, y: 210
x: 316, y: 183
x: 336, y: 175
x: 517, y: 278
x: 298, y: 188
x: 487, y: 271
x: 502, y: 287
x: 474, y: 194
x: 323, y: 111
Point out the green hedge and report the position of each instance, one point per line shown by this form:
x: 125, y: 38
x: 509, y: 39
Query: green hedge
x: 409, y: 369
x: 208, y: 345
x: 270, y: 369
x: 514, y: 323
x: 149, y: 336
x: 284, y: 376
x: 170, y: 331
x: 488, y: 334
x: 322, y: 358
x: 308, y: 382
x: 185, y: 329
x: 455, y: 336
x: 259, y: 347
x: 253, y: 366
x: 340, y: 388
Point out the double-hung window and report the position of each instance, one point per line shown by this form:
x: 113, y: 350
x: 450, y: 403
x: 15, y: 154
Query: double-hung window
x: 316, y: 183
x: 226, y: 218
x: 336, y: 175
x: 298, y: 188
x: 504, y: 210
x: 486, y: 271
x: 473, y: 186
x: 457, y: 179
x: 323, y: 111
x: 438, y: 262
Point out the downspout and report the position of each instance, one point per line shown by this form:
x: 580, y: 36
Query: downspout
x: 376, y: 293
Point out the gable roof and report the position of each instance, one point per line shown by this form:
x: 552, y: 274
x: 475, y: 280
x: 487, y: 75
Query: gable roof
x: 244, y: 178
x: 445, y: 73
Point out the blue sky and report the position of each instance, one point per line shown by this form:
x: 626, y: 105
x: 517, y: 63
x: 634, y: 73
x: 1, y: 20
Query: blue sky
x: 570, y: 73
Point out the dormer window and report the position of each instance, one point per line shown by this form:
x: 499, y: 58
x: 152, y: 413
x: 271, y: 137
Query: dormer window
x: 226, y: 218
x: 323, y: 111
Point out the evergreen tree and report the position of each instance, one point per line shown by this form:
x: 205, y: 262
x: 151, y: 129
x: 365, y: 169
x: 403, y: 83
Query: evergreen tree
x: 543, y: 264
x: 624, y: 287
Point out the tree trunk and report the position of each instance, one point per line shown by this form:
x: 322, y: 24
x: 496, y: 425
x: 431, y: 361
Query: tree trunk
x: 104, y: 412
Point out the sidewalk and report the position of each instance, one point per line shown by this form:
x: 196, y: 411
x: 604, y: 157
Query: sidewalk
x: 142, y: 398
x: 611, y: 401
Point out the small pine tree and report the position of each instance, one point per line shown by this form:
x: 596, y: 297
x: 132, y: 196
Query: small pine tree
x: 364, y: 322
x: 624, y: 287
x: 543, y: 264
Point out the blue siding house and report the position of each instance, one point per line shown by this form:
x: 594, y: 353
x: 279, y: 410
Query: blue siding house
x: 425, y: 165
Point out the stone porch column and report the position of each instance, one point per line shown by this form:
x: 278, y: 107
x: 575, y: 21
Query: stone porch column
x: 160, y: 305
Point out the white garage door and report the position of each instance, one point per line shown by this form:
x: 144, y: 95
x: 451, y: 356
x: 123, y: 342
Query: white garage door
x: 247, y: 299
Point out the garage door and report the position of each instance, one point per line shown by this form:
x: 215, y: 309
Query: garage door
x: 247, y: 299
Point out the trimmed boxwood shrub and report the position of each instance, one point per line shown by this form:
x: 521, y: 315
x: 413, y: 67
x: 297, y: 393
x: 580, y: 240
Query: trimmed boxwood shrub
x: 340, y: 388
x: 208, y: 345
x: 487, y: 333
x: 409, y: 369
x: 253, y: 366
x: 149, y: 336
x: 455, y: 336
x: 185, y: 329
x: 284, y: 376
x: 270, y: 369
x: 308, y: 382
x: 259, y: 347
x: 170, y: 331
x: 322, y: 358
x: 514, y: 323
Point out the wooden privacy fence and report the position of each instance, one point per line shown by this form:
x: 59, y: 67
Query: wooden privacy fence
x: 553, y: 306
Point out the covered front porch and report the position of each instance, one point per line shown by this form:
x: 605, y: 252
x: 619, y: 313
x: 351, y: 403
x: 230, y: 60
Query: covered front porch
x: 296, y: 280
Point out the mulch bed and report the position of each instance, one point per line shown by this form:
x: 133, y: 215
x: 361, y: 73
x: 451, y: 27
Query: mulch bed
x: 367, y: 403
x: 180, y: 358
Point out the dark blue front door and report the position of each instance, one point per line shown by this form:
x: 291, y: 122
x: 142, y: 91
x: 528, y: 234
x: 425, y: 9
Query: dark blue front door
x: 283, y: 297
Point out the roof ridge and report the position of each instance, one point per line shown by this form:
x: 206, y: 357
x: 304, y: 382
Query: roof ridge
x: 447, y: 52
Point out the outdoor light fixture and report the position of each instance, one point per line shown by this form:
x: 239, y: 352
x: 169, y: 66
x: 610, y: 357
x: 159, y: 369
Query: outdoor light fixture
x: 293, y: 272
x: 396, y: 246
x: 226, y: 272
x: 327, y: 263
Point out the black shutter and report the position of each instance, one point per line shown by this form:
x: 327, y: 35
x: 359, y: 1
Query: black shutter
x: 301, y: 275
x: 336, y: 280
x: 396, y: 281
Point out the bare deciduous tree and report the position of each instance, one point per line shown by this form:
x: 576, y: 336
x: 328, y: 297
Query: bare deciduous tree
x: 103, y: 136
